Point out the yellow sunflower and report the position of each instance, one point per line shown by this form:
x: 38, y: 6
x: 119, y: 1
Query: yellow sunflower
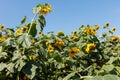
x: 73, y: 51
x: 90, y: 47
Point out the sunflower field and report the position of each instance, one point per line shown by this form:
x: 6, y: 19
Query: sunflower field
x: 28, y: 54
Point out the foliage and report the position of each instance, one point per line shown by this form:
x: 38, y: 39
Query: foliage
x: 82, y: 55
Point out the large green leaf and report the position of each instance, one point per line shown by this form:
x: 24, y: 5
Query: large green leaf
x: 42, y: 22
x: 2, y: 66
x: 11, y: 67
x: 20, y: 64
x: 33, y: 29
x: 57, y: 57
x: 111, y: 77
x: 19, y: 60
x: 117, y: 68
x: 30, y: 70
x: 25, y: 40
x: 108, y: 67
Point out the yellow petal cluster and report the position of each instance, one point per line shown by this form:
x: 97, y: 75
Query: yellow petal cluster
x: 75, y: 38
x: 115, y: 38
x: 90, y: 47
x: 59, y: 43
x: 90, y: 31
x: 18, y: 32
x: 60, y: 33
x: 46, y: 10
x: 32, y: 58
x: 2, y: 39
x: 73, y: 51
x: 50, y: 49
x: 97, y: 27
x: 113, y: 29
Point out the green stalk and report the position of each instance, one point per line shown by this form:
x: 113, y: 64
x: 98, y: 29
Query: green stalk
x: 31, y: 23
x: 18, y: 76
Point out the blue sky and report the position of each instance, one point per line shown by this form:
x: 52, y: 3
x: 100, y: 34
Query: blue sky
x: 67, y: 15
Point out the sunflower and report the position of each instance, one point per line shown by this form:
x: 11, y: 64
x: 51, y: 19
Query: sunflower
x: 90, y: 47
x: 2, y: 39
x: 24, y: 29
x: 18, y: 32
x: 73, y: 51
x: 50, y: 49
x: 60, y: 33
x: 107, y: 24
x: 113, y: 29
x: 90, y: 31
x: 75, y: 38
x: 114, y: 38
x: 97, y: 27
x: 40, y: 32
x: 59, y: 43
x: 45, y: 9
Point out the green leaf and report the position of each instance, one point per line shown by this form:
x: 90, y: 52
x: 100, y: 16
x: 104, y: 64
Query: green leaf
x: 36, y: 10
x: 42, y: 22
x: 106, y: 77
x: 98, y: 78
x: 16, y: 56
x: 112, y: 59
x: 117, y: 68
x: 111, y: 77
x: 20, y: 64
x: 6, y: 42
x: 11, y: 67
x: 3, y: 55
x: 30, y: 70
x: 57, y: 57
x: 25, y: 40
x: 69, y: 76
x: 33, y: 29
x: 2, y: 66
x: 9, y: 31
x: 108, y: 68
x: 23, y: 20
